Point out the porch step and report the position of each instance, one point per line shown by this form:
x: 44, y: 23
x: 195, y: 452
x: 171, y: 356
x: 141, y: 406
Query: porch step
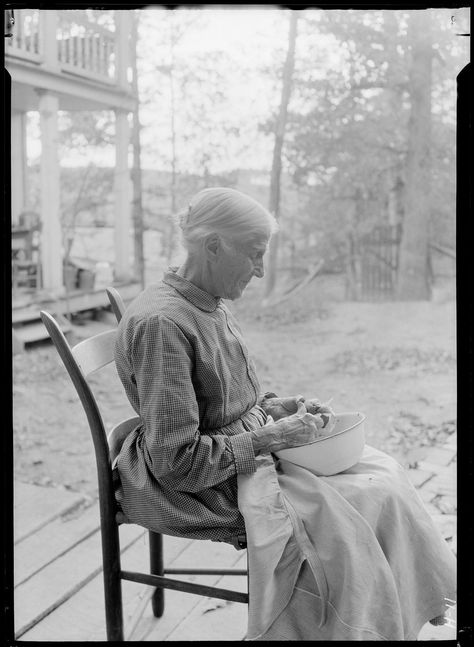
x: 28, y: 308
x: 25, y: 316
x: 34, y: 330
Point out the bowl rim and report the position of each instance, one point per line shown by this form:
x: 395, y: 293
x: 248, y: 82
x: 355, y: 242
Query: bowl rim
x: 343, y: 431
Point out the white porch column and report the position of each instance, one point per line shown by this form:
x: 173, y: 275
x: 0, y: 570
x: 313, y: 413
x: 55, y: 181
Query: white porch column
x: 51, y: 253
x: 48, y: 32
x: 18, y: 164
x: 122, y: 191
x: 123, y: 21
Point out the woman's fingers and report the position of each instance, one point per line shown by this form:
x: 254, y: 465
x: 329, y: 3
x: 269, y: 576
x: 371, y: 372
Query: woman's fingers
x: 301, y: 407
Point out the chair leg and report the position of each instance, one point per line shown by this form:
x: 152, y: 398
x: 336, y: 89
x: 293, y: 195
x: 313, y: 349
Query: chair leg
x: 112, y: 587
x: 156, y: 568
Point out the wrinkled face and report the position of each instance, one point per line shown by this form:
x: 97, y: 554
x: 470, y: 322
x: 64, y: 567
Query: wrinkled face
x: 238, y: 264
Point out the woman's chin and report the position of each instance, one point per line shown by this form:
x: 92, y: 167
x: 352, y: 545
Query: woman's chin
x: 236, y: 293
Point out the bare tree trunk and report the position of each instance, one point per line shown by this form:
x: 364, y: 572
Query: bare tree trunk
x: 170, y: 243
x: 413, y: 275
x: 395, y: 199
x: 274, y: 201
x: 352, y: 261
x: 352, y: 293
x: 137, y: 207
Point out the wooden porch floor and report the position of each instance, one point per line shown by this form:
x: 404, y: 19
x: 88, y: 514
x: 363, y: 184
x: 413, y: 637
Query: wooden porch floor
x: 58, y: 593
x: 58, y: 578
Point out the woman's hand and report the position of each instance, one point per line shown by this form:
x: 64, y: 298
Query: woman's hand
x: 297, y: 429
x: 321, y: 408
x: 277, y: 407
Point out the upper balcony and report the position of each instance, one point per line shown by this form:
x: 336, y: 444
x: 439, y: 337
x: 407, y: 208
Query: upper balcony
x: 81, y: 55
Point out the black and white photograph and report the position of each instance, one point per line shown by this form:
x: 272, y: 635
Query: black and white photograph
x: 235, y: 301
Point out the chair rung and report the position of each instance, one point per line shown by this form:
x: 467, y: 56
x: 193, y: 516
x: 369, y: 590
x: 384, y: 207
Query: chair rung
x: 205, y: 571
x: 187, y: 587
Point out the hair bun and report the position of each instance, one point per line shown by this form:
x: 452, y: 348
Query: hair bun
x: 183, y: 217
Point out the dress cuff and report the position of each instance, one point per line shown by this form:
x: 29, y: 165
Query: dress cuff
x: 244, y: 454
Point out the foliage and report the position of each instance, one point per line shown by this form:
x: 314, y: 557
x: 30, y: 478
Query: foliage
x: 86, y: 194
x: 82, y: 130
x: 346, y: 139
x: 193, y: 97
x: 348, y: 129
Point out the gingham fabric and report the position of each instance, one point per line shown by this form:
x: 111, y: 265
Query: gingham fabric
x: 187, y: 373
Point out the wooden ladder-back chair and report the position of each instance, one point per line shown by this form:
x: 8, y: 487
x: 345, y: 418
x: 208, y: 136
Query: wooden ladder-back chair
x: 80, y: 361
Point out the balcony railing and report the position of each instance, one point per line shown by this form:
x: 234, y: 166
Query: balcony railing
x: 86, y: 46
x: 86, y: 43
x: 25, y: 41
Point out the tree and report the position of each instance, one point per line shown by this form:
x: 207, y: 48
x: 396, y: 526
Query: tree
x: 192, y: 99
x: 342, y: 146
x: 175, y: 32
x: 275, y: 178
x: 76, y: 198
x: 348, y: 140
x: 86, y: 189
x: 346, y: 137
x: 413, y: 276
x: 137, y: 206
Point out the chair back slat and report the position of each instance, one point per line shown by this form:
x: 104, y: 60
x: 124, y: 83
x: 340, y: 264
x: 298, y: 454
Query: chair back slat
x: 117, y: 303
x: 96, y: 352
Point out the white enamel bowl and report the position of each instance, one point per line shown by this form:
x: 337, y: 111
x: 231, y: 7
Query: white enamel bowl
x: 335, y: 453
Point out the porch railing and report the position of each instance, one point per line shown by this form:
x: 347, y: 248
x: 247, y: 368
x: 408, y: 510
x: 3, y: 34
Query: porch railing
x: 85, y: 46
x: 86, y: 41
x: 25, y: 42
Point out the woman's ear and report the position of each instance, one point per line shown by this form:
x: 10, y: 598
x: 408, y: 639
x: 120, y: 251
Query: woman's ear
x: 211, y: 246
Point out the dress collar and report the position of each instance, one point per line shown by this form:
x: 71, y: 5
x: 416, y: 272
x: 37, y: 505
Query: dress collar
x: 201, y: 299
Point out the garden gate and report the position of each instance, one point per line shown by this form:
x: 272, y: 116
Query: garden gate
x: 378, y: 254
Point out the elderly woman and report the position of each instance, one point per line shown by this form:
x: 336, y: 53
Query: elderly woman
x: 353, y: 556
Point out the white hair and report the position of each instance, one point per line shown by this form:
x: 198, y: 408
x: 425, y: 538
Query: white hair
x: 233, y: 215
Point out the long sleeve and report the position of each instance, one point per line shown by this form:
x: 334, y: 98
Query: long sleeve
x: 176, y: 452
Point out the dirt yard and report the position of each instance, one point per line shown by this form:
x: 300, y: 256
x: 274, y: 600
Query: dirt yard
x: 393, y: 361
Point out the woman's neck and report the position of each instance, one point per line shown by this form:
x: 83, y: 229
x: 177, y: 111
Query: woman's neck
x: 196, y: 273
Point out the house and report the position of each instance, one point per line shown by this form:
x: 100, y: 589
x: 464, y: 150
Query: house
x: 69, y: 60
